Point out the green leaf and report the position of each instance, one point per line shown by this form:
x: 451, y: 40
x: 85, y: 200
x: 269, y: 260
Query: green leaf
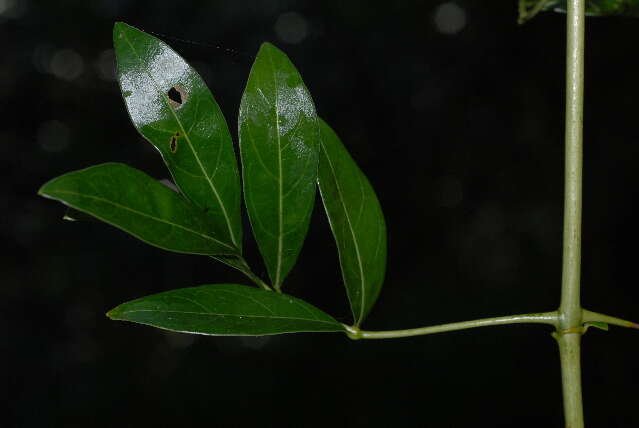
x: 75, y: 215
x: 356, y: 220
x: 136, y: 203
x: 279, y: 144
x: 226, y: 309
x: 172, y: 108
x: 529, y: 8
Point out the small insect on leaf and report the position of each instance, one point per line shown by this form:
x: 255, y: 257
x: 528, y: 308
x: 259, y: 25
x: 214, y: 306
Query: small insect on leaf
x: 177, y: 96
x: 173, y: 144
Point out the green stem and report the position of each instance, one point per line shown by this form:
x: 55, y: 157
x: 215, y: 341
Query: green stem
x: 570, y: 312
x: 569, y: 352
x: 570, y: 309
x: 538, y: 318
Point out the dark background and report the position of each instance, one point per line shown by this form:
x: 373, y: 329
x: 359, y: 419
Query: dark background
x: 456, y: 115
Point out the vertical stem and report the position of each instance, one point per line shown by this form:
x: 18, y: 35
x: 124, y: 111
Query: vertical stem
x: 570, y: 312
x: 570, y: 303
x: 571, y: 379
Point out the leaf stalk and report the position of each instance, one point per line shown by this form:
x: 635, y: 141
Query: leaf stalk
x: 550, y: 318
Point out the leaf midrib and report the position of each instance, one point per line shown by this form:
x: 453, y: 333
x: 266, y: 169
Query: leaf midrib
x: 335, y: 323
x: 280, y: 234
x: 188, y: 140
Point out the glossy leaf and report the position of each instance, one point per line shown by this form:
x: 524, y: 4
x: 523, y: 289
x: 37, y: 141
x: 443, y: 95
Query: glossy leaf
x: 279, y: 145
x: 136, y: 203
x: 226, y: 309
x: 173, y: 109
x: 356, y: 220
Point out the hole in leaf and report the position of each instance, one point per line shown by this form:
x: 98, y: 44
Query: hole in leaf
x: 177, y: 96
x: 173, y: 144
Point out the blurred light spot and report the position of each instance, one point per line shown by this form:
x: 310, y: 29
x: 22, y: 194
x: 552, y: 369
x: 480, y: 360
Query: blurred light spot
x: 53, y: 136
x: 5, y: 5
x: 449, y: 192
x: 13, y: 9
x: 449, y: 18
x: 105, y: 65
x: 66, y: 64
x: 254, y: 342
x: 291, y: 27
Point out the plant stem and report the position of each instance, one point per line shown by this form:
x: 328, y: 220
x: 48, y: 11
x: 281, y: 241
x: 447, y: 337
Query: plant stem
x: 538, y: 318
x: 569, y: 353
x: 570, y: 309
x: 570, y: 312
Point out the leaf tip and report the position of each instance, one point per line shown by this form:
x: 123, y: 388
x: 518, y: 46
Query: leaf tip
x: 268, y: 46
x: 113, y: 313
x: 119, y: 28
x: 44, y: 190
x: 118, y: 25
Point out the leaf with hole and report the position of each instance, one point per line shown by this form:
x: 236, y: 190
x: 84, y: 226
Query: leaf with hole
x: 170, y: 105
x: 279, y: 143
x: 226, y: 309
x: 138, y: 204
x: 356, y: 220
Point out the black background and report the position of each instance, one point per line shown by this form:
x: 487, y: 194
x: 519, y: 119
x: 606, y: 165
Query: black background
x: 456, y: 115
